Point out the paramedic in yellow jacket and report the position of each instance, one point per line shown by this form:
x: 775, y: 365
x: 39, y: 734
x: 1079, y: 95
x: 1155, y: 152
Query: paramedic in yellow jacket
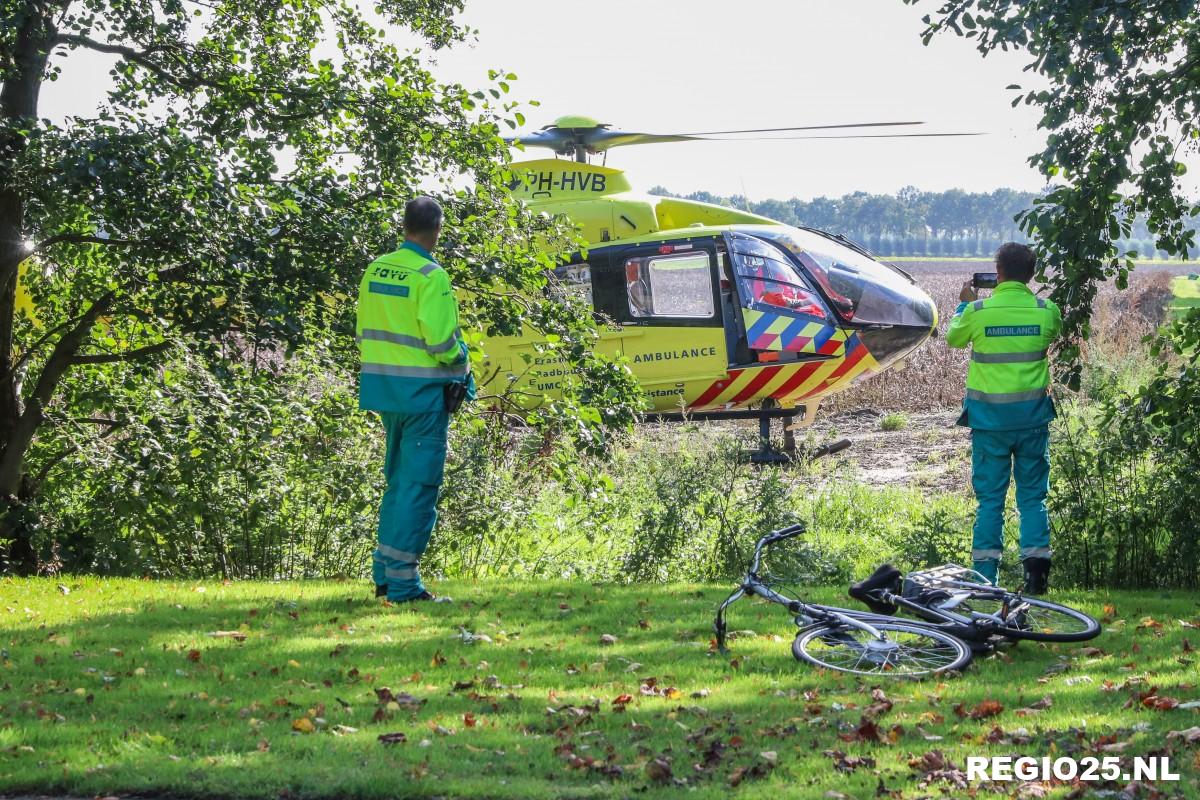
x: 413, y: 360
x: 1008, y: 409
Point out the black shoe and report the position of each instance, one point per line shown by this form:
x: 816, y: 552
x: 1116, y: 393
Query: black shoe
x: 380, y: 590
x: 1037, y: 575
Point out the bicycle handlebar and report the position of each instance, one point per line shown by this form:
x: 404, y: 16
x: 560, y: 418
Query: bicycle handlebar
x: 784, y: 533
x: 772, y: 538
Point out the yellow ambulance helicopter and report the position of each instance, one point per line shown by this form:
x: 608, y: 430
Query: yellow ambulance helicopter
x: 720, y: 313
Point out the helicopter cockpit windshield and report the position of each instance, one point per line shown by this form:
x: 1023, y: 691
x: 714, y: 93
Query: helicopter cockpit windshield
x: 859, y: 289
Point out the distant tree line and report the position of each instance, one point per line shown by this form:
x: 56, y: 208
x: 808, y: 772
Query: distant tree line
x: 913, y: 222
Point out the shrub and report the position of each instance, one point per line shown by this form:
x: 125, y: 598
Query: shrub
x: 1123, y: 495
x: 893, y: 422
x: 237, y: 471
x: 939, y: 535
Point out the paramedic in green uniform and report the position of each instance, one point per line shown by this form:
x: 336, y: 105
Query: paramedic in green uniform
x: 1008, y: 409
x: 411, y: 348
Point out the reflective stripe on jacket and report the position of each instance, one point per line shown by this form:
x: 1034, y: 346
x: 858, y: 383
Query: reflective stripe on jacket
x: 407, y: 333
x: 1008, y: 381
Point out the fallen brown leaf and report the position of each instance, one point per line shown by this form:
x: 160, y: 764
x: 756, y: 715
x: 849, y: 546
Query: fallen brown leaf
x: 658, y: 770
x: 985, y: 709
x: 1160, y: 702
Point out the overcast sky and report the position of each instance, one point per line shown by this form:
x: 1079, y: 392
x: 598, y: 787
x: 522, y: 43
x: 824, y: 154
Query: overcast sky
x: 666, y: 66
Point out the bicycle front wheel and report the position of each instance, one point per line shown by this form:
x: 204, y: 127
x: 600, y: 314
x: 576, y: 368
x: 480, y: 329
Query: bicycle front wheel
x: 1033, y: 619
x: 906, y: 650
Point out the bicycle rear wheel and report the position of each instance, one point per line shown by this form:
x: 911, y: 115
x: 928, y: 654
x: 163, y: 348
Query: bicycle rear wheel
x: 1033, y: 619
x: 907, y: 650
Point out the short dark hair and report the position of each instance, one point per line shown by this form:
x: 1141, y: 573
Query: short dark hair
x: 422, y: 215
x: 1016, y: 261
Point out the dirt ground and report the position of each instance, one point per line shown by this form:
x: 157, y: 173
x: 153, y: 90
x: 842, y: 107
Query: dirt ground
x: 929, y: 452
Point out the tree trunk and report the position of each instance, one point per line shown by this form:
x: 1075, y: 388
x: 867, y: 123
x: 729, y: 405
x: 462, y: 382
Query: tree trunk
x: 18, y: 108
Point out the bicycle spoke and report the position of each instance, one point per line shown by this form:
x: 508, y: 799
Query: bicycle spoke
x: 1036, y: 618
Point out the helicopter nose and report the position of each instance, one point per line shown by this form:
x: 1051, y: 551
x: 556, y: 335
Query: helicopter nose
x: 888, y: 344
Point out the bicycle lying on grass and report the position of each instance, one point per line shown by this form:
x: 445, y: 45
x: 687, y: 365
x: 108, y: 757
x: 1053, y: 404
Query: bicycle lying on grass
x: 962, y: 602
x: 851, y: 641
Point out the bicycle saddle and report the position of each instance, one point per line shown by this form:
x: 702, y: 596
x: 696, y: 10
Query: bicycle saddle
x: 885, y: 576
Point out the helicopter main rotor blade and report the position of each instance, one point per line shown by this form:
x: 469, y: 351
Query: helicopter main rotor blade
x: 604, y: 139
x: 565, y: 141
x: 553, y: 138
x: 805, y: 128
x: 843, y: 136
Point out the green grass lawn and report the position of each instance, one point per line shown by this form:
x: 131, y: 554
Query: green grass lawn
x: 120, y: 686
x: 1186, y: 295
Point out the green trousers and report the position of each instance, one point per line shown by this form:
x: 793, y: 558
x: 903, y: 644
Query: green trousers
x: 995, y: 455
x: 414, y: 465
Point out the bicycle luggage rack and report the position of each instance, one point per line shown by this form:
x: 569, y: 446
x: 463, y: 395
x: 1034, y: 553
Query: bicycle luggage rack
x: 945, y: 576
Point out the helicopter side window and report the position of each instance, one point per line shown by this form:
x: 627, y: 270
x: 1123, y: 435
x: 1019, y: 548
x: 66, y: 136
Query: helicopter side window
x: 573, y: 281
x: 670, y: 285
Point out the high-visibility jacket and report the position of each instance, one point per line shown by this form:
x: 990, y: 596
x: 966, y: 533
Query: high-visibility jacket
x: 1008, y: 381
x: 408, y: 334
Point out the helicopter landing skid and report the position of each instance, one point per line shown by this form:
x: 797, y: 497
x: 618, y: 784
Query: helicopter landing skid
x: 767, y: 452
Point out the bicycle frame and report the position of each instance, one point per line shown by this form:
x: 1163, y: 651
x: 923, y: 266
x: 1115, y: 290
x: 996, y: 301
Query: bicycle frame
x: 753, y: 585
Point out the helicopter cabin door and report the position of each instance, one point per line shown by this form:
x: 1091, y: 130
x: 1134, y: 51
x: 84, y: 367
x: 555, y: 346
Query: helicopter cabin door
x: 665, y: 296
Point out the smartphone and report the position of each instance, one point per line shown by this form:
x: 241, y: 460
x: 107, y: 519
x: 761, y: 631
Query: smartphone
x: 984, y: 280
